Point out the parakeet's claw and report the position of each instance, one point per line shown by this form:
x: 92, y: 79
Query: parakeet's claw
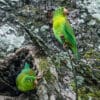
x: 64, y: 45
x: 62, y: 38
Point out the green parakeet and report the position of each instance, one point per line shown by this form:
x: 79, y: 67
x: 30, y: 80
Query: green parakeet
x: 25, y: 81
x: 63, y: 30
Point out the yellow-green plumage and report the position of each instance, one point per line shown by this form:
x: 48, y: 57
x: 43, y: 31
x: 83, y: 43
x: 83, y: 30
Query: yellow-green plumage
x: 25, y: 79
x: 62, y: 27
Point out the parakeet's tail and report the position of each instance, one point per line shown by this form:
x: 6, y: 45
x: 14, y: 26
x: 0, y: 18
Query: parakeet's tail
x: 76, y: 54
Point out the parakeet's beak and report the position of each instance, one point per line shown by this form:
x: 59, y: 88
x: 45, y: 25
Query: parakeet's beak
x: 66, y: 12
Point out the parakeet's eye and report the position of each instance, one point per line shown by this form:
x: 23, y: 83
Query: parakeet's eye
x: 29, y: 80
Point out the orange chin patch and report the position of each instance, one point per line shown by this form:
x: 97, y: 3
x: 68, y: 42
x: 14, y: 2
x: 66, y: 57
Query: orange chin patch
x: 30, y: 72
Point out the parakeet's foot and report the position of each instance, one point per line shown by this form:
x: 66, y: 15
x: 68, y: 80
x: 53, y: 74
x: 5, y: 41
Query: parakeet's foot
x: 64, y: 45
x: 62, y: 38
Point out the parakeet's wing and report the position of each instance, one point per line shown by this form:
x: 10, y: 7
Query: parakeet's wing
x: 58, y: 28
x: 70, y: 37
x: 69, y: 34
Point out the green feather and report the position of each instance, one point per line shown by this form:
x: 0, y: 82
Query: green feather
x: 25, y: 79
x: 58, y: 12
x: 27, y: 65
x: 62, y: 27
